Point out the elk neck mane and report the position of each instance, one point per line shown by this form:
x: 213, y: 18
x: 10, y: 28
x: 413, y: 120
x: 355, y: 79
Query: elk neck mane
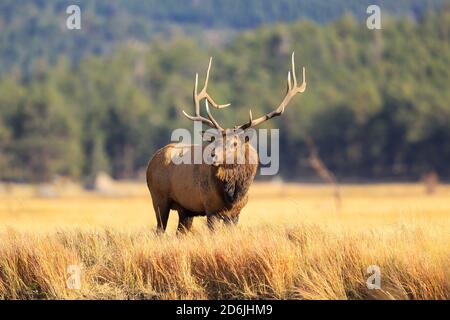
x: 235, y: 180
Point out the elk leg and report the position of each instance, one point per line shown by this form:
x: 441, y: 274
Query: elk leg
x: 212, y: 222
x: 185, y: 221
x: 162, y: 215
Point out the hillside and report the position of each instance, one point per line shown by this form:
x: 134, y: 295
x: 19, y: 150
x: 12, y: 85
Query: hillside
x: 376, y: 102
x: 36, y: 29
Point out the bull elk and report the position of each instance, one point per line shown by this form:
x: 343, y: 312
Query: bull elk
x: 217, y: 190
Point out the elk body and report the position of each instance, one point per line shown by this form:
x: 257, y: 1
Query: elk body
x: 217, y: 188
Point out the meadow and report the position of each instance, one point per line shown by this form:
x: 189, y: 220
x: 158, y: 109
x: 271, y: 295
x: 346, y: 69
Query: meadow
x: 293, y: 241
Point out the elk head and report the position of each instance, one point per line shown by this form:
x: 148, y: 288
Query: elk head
x: 230, y: 145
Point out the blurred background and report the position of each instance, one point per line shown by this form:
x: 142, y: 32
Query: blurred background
x: 74, y: 103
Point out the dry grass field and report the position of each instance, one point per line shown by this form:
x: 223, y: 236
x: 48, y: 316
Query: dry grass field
x: 292, y: 242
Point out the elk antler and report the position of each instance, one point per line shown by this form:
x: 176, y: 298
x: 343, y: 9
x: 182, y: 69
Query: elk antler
x: 204, y: 95
x: 292, y: 90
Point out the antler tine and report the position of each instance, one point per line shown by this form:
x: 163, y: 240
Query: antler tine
x: 196, y: 104
x: 210, y: 116
x: 199, y: 118
x: 197, y: 97
x: 289, y: 83
x: 207, y: 74
x: 293, y: 69
x: 204, y: 93
x: 292, y: 90
x: 303, y: 86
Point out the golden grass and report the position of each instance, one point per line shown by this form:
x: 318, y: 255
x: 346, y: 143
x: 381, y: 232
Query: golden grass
x: 291, y: 243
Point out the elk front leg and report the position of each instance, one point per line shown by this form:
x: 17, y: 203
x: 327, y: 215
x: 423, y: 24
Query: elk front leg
x: 185, y: 221
x: 212, y: 221
x: 233, y: 220
x: 162, y: 210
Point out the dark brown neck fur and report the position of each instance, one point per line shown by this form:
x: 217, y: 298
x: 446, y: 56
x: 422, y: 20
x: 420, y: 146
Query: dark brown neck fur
x: 235, y: 180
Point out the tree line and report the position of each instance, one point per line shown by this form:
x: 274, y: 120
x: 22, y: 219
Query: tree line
x: 36, y: 29
x: 376, y: 104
